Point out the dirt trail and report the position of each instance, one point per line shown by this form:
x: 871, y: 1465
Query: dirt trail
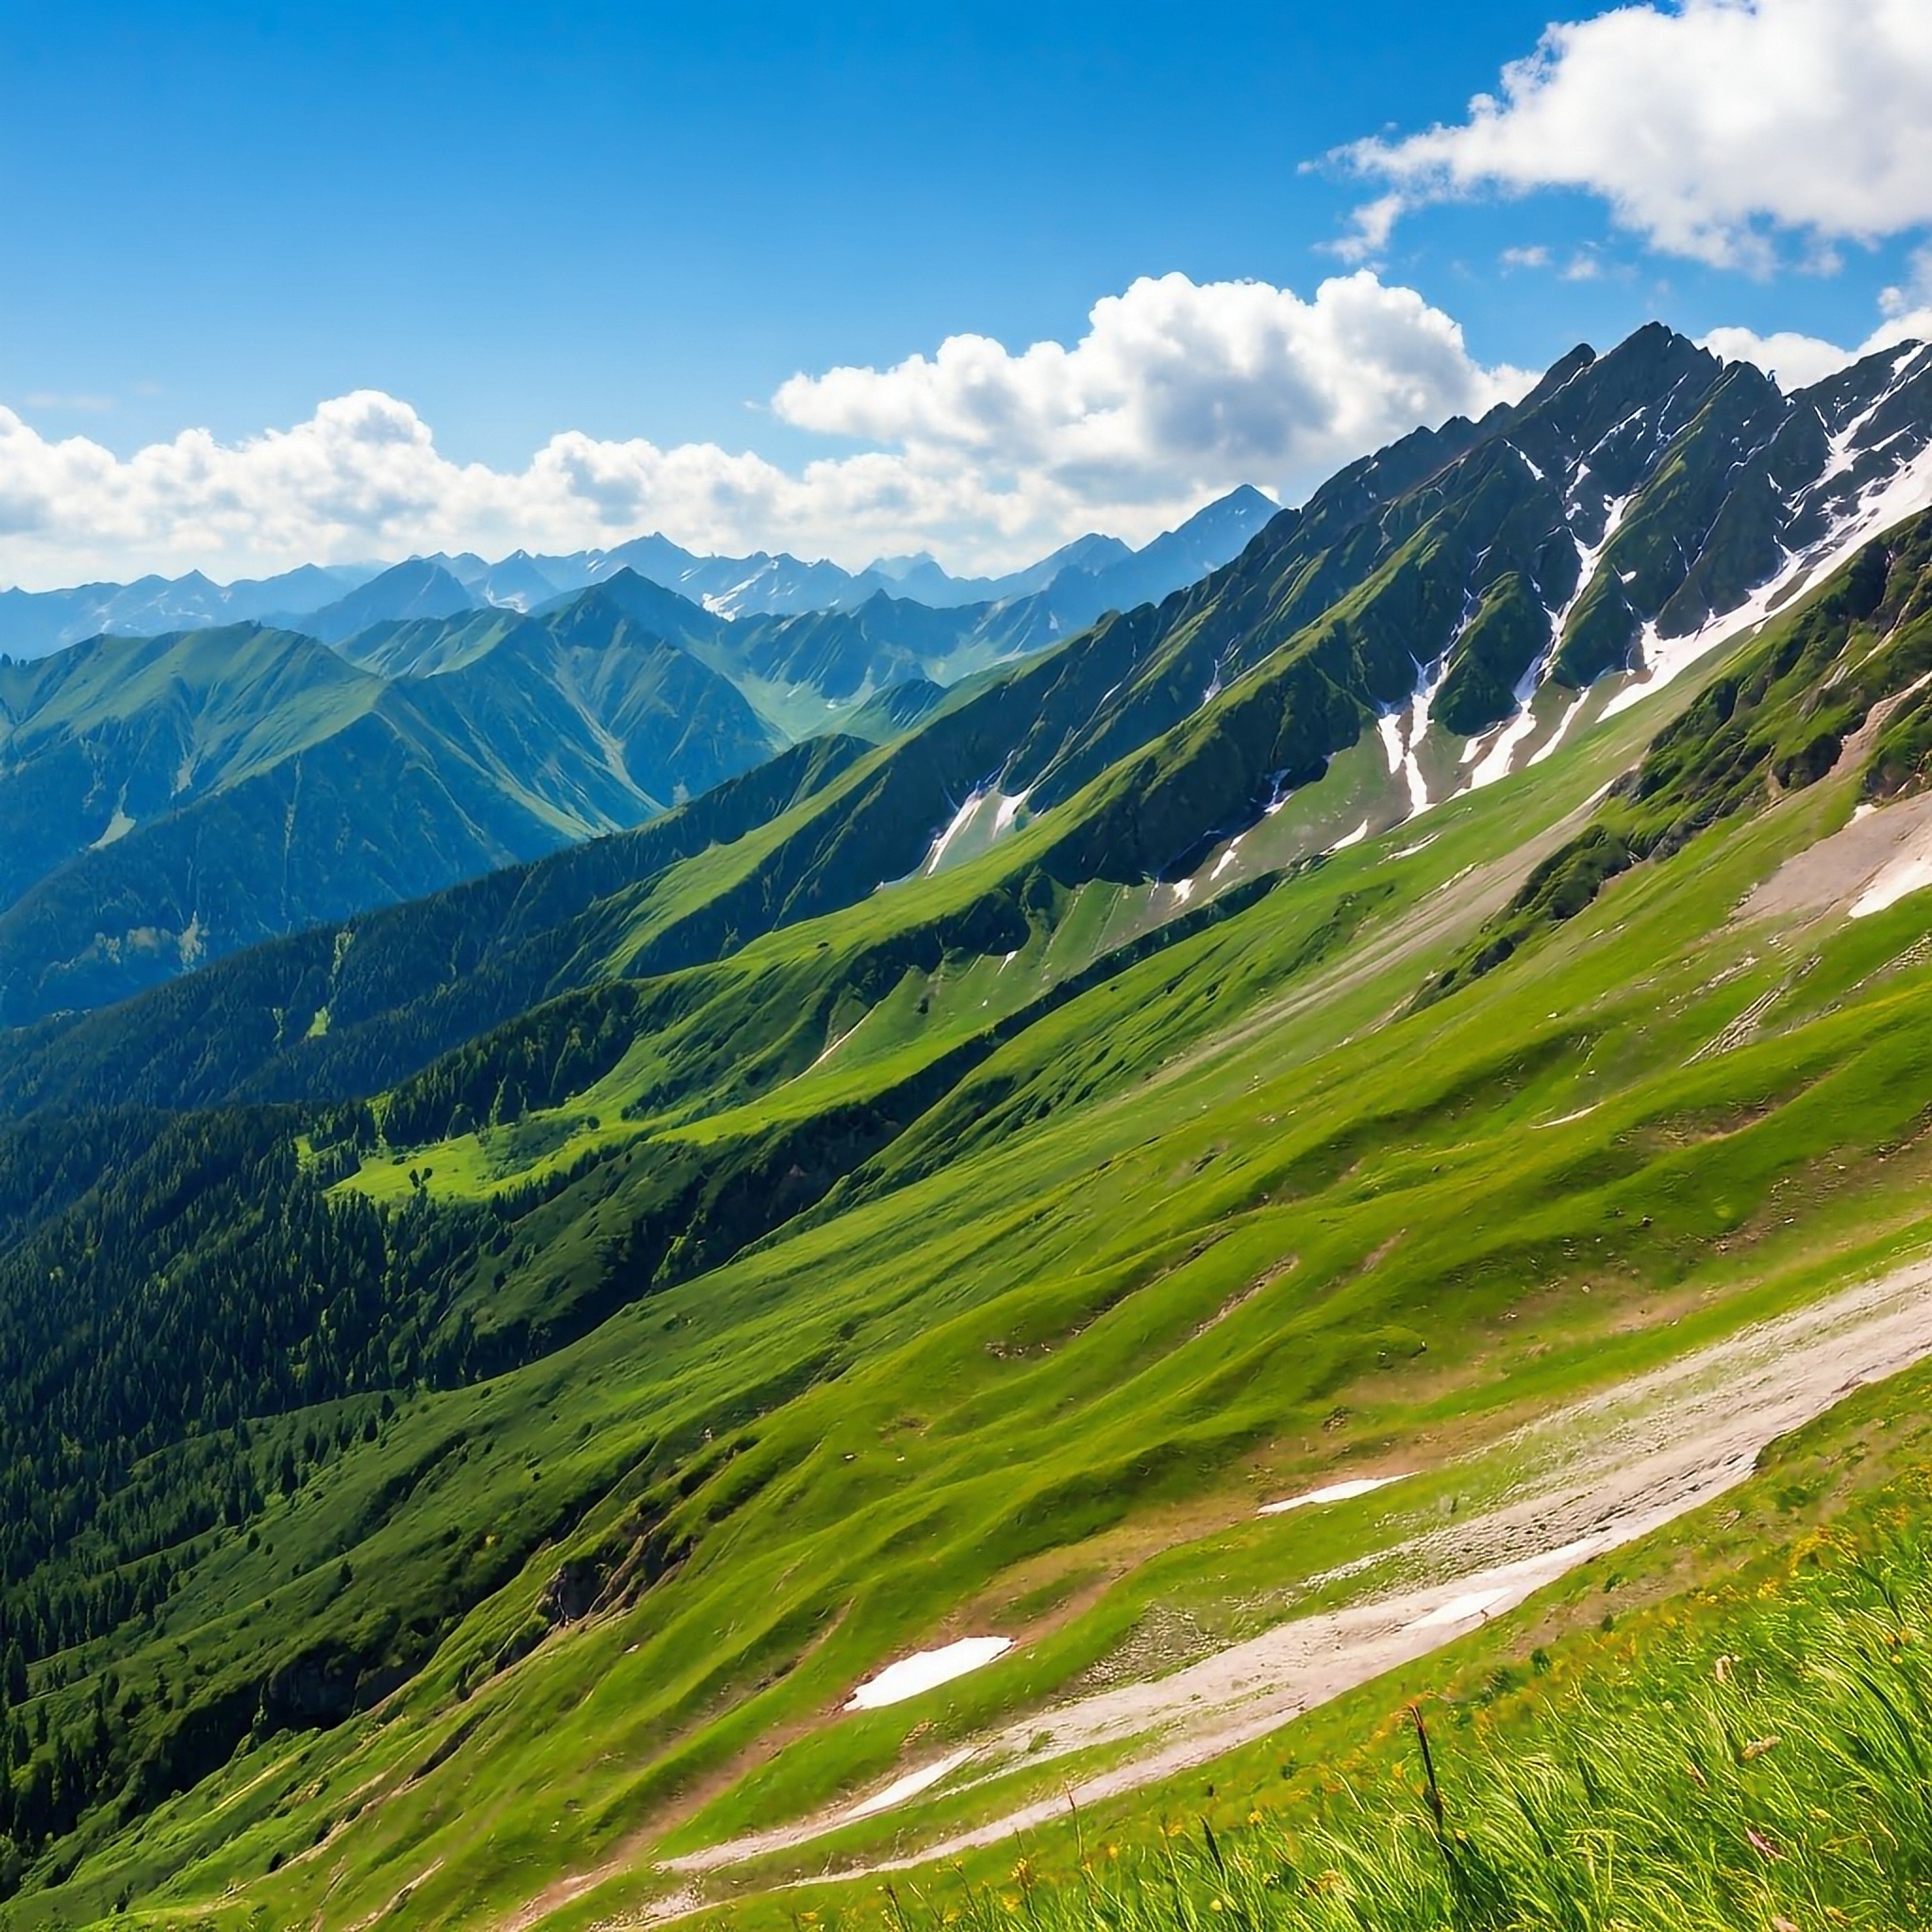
x: 1597, y: 1474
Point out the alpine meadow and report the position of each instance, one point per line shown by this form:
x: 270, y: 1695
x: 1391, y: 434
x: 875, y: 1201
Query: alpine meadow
x: 1221, y: 1226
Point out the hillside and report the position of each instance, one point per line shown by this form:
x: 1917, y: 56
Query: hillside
x: 505, y: 732
x: 172, y: 800
x: 1092, y: 1368
x: 1414, y: 625
x: 498, y: 1377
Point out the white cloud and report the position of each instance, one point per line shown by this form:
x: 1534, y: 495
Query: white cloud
x: 989, y: 455
x: 1798, y: 361
x: 1172, y: 383
x: 1712, y: 127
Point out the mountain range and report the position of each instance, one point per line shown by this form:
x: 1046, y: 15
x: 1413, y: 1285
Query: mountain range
x: 170, y: 800
x: 494, y: 1382
x: 1463, y: 593
x: 1442, y: 613
x: 1093, y: 574
x: 138, y: 777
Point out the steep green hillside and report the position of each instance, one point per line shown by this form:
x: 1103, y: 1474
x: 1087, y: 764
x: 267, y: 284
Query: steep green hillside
x: 1723, y: 1723
x: 171, y: 801
x: 1456, y: 605
x: 967, y: 1258
x: 103, y: 739
x: 896, y: 709
x: 1843, y: 681
x: 1403, y: 609
x: 335, y: 1012
x: 814, y: 670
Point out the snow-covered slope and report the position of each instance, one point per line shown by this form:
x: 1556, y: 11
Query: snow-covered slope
x: 1448, y: 612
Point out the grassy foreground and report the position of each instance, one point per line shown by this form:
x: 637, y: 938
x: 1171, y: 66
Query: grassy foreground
x: 1786, y: 1787
x: 1755, y: 1751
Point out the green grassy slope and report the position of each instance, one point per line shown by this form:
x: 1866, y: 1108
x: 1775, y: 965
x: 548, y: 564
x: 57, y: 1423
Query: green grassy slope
x: 337, y: 1011
x: 126, y: 727
x: 1723, y: 1724
x: 168, y: 802
x: 1421, y: 596
x: 1133, y: 684
x: 1193, y: 719
x: 980, y: 1270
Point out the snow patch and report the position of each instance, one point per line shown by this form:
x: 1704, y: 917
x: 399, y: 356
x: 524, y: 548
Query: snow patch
x: 1563, y: 731
x: 925, y: 1670
x: 1500, y: 759
x: 1844, y: 452
x: 1354, y: 838
x: 960, y: 820
x: 1908, y: 489
x: 1402, y: 727
x: 909, y: 1786
x: 1459, y: 1609
x: 1332, y: 1493
x: 1227, y: 860
x: 1911, y: 872
x: 1004, y: 811
x: 118, y: 828
x: 1429, y: 681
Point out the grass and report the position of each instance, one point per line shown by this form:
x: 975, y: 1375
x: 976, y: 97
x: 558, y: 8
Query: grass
x: 1228, y: 1220
x: 1582, y: 1711
x: 1766, y: 1765
x: 1787, y: 1788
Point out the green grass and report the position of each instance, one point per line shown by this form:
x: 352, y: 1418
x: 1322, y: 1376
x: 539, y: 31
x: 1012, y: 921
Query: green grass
x: 1037, y: 1384
x: 1778, y: 1781
x: 1226, y: 1219
x: 1754, y: 1753
x: 1581, y: 1702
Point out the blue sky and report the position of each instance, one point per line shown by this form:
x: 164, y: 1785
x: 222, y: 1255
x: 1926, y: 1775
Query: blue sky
x: 637, y: 222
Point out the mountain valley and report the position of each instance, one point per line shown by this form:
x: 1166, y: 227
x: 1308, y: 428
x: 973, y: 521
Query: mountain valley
x: 581, y: 1178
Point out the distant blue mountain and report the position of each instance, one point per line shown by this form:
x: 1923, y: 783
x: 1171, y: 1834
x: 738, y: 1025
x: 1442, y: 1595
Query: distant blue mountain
x: 1057, y: 594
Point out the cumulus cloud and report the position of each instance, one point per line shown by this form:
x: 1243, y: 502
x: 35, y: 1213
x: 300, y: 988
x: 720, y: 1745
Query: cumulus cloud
x: 1797, y: 360
x: 1173, y: 380
x: 1717, y: 130
x: 987, y: 455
